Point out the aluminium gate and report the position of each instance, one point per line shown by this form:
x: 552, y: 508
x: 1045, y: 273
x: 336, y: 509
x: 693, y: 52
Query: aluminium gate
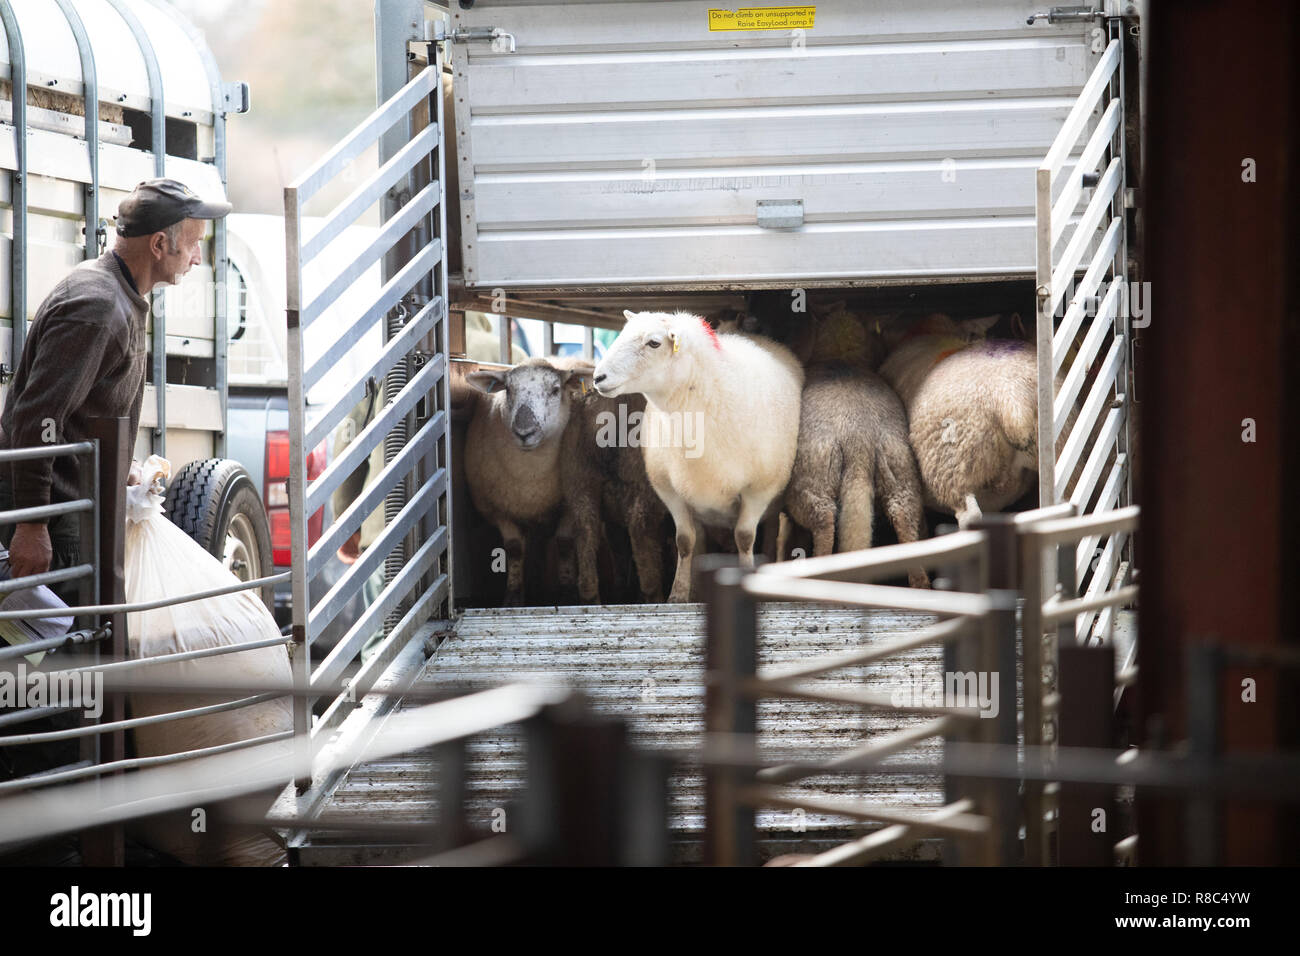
x: 1084, y: 304
x: 410, y: 420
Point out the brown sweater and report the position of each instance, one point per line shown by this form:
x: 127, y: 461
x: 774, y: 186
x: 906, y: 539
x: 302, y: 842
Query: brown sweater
x: 84, y: 357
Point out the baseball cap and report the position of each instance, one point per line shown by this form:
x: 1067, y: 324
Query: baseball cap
x: 156, y: 204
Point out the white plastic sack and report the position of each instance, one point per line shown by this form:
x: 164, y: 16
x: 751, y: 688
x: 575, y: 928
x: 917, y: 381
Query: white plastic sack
x: 162, y: 561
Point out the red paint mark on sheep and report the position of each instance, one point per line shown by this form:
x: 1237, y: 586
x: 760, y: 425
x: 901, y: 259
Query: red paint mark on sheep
x: 712, y: 334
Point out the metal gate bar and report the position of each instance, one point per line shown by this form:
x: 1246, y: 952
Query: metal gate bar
x: 411, y: 308
x: 158, y: 125
x: 18, y: 248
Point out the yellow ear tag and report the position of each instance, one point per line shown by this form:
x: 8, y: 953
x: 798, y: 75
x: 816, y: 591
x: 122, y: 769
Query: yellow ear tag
x: 676, y: 344
x: 877, y: 326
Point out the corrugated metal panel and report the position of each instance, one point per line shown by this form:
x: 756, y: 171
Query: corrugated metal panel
x: 625, y: 144
x: 644, y: 664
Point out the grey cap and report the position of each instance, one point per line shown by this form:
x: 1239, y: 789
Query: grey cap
x: 156, y: 204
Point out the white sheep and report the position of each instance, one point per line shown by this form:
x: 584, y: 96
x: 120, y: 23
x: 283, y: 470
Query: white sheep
x: 512, y: 454
x: 721, y: 425
x: 972, y: 410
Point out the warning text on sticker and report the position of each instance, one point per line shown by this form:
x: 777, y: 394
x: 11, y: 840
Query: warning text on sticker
x: 763, y: 18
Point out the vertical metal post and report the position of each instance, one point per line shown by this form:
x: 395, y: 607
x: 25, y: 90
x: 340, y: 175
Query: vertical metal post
x: 1031, y: 651
x: 963, y: 654
x: 998, y: 661
x: 1086, y: 815
x: 104, y: 846
x: 1045, y: 327
x: 548, y: 339
x: 730, y: 716
x: 643, y: 812
x: 1067, y: 578
x: 88, y: 588
x: 505, y: 352
x: 397, y: 23
x: 442, y: 338
x: 18, y: 200
x: 158, y: 119
x: 588, y: 342
x: 90, y: 98
x: 449, y: 759
x: 576, y: 785
x: 1202, y: 821
x: 301, y: 608
x: 220, y: 262
x: 220, y: 270
x: 1122, y: 324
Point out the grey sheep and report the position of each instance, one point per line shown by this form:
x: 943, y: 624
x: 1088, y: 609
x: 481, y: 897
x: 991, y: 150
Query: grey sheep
x: 512, y: 454
x: 852, y: 449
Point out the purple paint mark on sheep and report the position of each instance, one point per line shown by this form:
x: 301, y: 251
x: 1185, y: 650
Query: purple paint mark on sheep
x: 1003, y: 347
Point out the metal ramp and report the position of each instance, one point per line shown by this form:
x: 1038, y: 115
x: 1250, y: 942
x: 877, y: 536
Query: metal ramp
x: 645, y: 664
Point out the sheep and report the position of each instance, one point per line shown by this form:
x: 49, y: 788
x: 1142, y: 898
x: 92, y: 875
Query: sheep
x: 972, y: 408
x: 721, y: 425
x: 602, y: 469
x: 853, y: 448
x: 837, y: 335
x: 853, y: 443
x: 512, y: 452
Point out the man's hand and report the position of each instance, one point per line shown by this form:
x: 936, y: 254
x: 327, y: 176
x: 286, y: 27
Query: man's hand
x: 351, y: 549
x: 135, y: 474
x: 30, y: 551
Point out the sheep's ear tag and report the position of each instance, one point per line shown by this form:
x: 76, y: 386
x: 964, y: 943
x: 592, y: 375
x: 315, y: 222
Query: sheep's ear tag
x: 878, y: 327
x: 676, y: 343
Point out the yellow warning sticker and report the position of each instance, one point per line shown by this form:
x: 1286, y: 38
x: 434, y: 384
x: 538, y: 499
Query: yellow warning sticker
x: 763, y: 18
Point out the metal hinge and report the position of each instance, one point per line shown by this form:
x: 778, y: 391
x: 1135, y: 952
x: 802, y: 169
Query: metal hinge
x: 1068, y: 15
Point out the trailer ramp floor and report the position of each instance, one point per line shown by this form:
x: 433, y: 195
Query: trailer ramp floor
x: 645, y: 664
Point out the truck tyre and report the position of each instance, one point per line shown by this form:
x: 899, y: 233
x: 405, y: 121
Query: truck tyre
x: 215, y: 502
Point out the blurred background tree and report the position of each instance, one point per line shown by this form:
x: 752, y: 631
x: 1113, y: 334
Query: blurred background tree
x: 310, y: 69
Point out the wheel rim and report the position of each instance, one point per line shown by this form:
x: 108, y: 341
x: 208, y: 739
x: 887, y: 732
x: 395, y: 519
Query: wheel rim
x: 241, y: 556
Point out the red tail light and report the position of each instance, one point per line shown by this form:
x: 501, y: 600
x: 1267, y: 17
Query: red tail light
x: 276, y: 494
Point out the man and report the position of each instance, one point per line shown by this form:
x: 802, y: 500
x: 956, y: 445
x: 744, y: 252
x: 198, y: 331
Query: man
x: 85, y: 357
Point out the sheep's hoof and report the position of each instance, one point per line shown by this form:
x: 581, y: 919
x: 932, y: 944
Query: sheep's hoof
x: 918, y: 579
x: 513, y: 600
x: 680, y: 596
x: 657, y: 597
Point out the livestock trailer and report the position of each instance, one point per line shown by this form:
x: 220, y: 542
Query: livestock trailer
x: 96, y: 96
x: 569, y: 160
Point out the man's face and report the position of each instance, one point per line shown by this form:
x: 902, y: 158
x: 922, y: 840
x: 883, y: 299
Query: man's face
x: 178, y: 260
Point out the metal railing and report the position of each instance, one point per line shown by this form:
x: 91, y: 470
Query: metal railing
x: 100, y: 633
x: 1062, y: 624
x: 411, y: 420
x: 977, y: 633
x: 991, y: 567
x: 554, y: 822
x: 1083, y: 328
